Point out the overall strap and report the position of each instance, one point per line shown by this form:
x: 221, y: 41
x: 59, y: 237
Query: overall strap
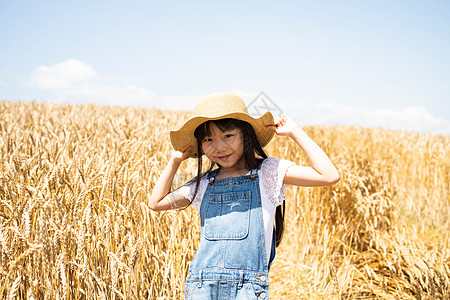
x: 254, y: 172
x: 212, y: 176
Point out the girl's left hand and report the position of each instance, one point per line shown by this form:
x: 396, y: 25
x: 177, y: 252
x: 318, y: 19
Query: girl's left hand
x: 283, y: 126
x: 178, y: 156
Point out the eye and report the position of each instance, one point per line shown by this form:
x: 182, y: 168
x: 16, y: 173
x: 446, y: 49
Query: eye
x: 227, y: 136
x: 206, y: 140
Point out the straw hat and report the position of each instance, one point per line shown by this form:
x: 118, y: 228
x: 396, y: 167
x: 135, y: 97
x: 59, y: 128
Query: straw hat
x: 219, y: 106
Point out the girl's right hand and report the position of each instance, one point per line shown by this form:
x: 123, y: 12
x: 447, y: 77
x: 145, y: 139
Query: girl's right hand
x: 161, y: 197
x: 283, y: 126
x: 178, y: 156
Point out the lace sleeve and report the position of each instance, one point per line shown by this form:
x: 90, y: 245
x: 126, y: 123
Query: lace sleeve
x: 273, y: 171
x: 187, y: 191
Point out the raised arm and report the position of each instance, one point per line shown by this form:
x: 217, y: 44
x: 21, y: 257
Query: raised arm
x: 322, y: 171
x: 162, y: 198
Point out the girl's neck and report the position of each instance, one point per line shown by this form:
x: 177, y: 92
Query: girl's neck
x: 231, y: 173
x: 239, y: 170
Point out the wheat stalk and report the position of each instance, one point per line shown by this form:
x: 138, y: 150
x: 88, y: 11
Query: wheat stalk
x: 74, y: 181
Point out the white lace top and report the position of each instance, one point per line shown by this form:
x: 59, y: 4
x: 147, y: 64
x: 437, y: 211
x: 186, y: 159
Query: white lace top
x: 271, y: 176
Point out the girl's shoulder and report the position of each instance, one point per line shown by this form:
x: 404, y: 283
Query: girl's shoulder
x: 188, y: 190
x: 274, y: 163
x: 272, y: 174
x: 203, y: 177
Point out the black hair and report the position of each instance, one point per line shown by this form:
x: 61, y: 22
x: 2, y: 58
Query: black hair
x: 252, y: 149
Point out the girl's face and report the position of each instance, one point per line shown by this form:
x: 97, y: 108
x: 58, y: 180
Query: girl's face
x: 224, y: 147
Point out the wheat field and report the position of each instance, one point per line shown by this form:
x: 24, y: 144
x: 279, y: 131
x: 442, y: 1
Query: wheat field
x: 74, y: 224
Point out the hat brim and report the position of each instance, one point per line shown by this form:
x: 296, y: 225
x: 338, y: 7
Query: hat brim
x: 184, y: 138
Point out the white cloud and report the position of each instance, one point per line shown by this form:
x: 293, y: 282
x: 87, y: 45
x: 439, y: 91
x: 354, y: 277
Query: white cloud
x: 76, y: 82
x: 415, y: 118
x: 64, y: 75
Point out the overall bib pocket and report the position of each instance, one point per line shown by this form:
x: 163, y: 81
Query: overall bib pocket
x: 252, y: 291
x: 227, y: 216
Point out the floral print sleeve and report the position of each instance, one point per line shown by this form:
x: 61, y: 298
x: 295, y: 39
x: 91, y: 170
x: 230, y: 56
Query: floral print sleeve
x: 187, y: 191
x: 272, y: 173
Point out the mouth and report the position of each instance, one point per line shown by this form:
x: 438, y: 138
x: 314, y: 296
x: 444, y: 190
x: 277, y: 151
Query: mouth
x: 224, y: 157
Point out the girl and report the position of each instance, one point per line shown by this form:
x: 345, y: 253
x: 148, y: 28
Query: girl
x: 239, y: 200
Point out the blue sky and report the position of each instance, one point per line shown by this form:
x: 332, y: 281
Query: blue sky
x: 369, y: 63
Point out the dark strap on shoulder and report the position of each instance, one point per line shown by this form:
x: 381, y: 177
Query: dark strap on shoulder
x: 212, y: 175
x: 260, y: 161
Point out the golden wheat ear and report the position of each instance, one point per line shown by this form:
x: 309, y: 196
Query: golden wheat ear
x: 75, y: 179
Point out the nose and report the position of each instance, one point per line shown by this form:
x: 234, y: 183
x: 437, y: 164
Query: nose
x: 220, y: 146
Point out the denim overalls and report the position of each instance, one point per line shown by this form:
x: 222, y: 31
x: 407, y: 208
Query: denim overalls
x: 230, y: 262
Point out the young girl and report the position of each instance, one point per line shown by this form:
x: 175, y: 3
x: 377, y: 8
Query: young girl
x: 239, y: 200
